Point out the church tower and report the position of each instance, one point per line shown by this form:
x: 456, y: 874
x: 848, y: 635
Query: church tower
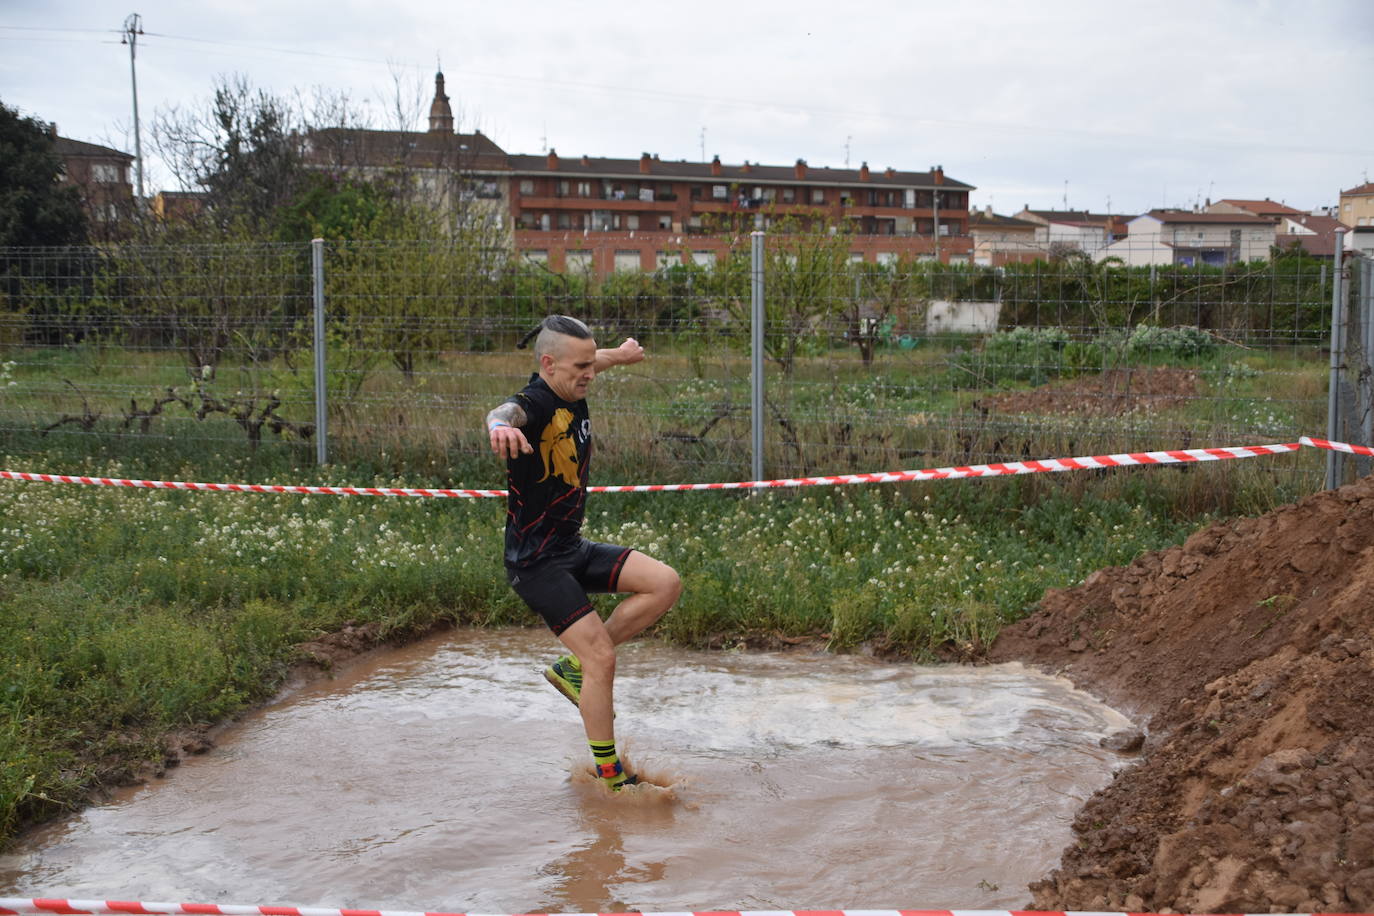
x: 440, y: 114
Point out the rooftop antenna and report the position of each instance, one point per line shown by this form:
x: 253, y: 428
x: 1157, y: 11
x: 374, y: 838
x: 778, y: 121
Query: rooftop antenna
x: 1066, y: 195
x: 544, y: 139
x: 133, y: 27
x: 846, y: 150
x: 703, y: 143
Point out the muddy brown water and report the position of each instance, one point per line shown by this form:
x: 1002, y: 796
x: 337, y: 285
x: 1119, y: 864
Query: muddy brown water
x: 449, y: 776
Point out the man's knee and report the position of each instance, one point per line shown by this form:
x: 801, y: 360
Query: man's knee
x: 599, y: 659
x: 672, y: 584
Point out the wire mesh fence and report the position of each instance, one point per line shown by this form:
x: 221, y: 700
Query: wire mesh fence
x: 209, y: 349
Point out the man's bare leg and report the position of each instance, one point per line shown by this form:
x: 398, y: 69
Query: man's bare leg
x: 654, y: 587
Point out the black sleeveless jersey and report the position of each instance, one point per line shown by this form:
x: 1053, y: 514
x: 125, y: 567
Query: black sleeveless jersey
x: 548, y: 487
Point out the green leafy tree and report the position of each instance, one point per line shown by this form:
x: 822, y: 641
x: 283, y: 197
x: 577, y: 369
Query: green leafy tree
x: 34, y: 208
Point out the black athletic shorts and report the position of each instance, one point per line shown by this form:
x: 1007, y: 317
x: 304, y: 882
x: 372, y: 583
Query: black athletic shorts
x: 556, y: 588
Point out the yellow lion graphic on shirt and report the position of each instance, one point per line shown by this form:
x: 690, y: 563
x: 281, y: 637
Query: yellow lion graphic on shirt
x: 557, y: 449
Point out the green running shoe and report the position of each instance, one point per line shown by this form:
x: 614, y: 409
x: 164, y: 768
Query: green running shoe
x: 565, y: 675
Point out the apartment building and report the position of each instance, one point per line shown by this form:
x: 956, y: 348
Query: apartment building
x: 602, y: 215
x: 1357, y: 206
x: 101, y: 175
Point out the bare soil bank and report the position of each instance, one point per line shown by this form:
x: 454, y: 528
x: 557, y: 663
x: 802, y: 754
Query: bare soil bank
x: 1249, y: 651
x: 1111, y: 393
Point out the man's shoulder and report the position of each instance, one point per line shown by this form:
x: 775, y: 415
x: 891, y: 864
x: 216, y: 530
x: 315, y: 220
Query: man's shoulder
x: 536, y: 392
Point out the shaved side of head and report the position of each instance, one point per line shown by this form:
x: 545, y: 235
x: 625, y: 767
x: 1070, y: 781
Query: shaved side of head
x: 554, y: 329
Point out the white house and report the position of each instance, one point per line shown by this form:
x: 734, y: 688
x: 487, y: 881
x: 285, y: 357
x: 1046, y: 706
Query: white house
x: 1064, y: 231
x: 1189, y: 239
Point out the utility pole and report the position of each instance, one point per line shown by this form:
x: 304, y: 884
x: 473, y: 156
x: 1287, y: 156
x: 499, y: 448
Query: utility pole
x: 133, y: 27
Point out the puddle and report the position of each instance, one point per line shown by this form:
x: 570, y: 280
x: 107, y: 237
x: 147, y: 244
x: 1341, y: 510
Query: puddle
x: 448, y: 776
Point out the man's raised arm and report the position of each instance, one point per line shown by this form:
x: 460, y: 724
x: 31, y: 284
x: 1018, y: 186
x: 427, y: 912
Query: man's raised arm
x: 628, y: 352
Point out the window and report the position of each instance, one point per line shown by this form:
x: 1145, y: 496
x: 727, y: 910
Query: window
x: 105, y: 173
x: 537, y: 256
x: 584, y: 189
x: 632, y: 221
x: 544, y: 221
x: 526, y: 186
x: 818, y: 195
x: 789, y: 195
x: 887, y: 257
x: 579, y: 260
x: 627, y: 260
x: 767, y: 194
x: 664, y: 259
x: 563, y: 187
x: 564, y: 221
x: 704, y: 258
x: 856, y: 257
x: 719, y: 192
x: 646, y: 194
x: 665, y: 222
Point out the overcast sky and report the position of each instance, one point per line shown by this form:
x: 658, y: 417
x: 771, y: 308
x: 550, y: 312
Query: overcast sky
x: 1097, y: 103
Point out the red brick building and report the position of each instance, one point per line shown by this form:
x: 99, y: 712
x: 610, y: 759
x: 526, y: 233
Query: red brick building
x: 101, y: 174
x: 603, y: 214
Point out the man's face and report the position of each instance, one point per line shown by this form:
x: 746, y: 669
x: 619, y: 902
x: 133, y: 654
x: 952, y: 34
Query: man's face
x: 570, y: 368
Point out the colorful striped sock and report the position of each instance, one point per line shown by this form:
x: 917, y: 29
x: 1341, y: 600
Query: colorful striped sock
x: 608, y: 767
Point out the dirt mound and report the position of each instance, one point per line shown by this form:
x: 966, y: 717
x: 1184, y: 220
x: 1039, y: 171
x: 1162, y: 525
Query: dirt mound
x: 1111, y: 393
x: 1249, y: 650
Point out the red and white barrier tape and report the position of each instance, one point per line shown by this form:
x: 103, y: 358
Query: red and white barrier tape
x: 37, y: 906
x: 1088, y: 462
x: 1337, y: 446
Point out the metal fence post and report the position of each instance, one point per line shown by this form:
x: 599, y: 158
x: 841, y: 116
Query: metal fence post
x: 756, y: 353
x: 321, y: 398
x: 1335, y: 467
x: 1366, y: 374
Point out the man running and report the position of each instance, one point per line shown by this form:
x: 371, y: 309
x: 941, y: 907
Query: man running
x: 545, y: 435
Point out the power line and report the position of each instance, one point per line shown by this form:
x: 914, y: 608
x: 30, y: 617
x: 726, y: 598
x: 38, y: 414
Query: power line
x: 40, y: 28
x: 252, y: 47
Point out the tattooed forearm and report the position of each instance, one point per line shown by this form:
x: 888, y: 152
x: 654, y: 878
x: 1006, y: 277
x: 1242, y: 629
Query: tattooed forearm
x: 509, y: 413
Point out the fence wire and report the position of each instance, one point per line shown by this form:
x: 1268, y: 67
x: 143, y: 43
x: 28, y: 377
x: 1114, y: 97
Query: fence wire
x: 870, y: 367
